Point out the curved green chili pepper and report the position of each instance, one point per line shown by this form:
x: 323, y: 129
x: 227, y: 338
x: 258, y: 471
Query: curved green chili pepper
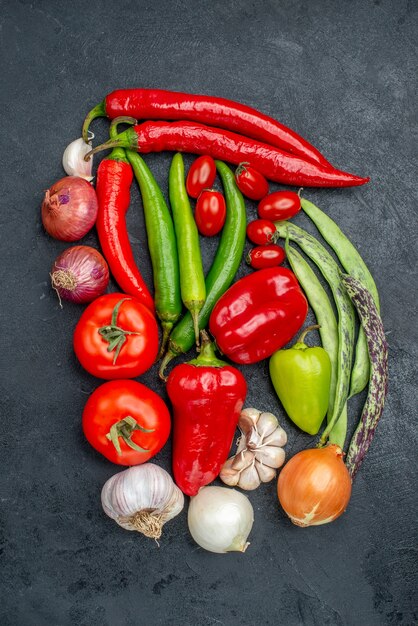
x: 223, y: 269
x: 328, y: 330
x: 162, y: 247
x: 192, y: 278
x: 346, y: 316
x: 353, y: 263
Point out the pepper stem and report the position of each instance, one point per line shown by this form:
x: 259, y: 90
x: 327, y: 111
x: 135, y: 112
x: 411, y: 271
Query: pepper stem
x: 166, y: 326
x: 169, y: 355
x: 107, y: 145
x: 98, y: 111
x: 114, y: 334
x: 125, y: 428
x: 123, y: 119
x: 307, y: 330
x: 207, y: 356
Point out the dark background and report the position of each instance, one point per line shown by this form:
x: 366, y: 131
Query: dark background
x: 343, y: 74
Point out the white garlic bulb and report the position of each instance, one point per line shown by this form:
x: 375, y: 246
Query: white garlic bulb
x: 142, y: 498
x: 259, y: 453
x: 73, y: 158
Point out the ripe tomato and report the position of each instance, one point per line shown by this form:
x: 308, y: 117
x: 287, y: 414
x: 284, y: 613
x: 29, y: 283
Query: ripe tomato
x: 116, y: 337
x: 126, y: 422
x: 250, y: 182
x: 279, y: 205
x: 265, y: 256
x: 201, y: 175
x: 210, y: 212
x: 261, y: 232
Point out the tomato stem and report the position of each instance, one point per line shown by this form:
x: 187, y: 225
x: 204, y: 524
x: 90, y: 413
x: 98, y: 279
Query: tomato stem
x: 114, y: 334
x: 125, y: 428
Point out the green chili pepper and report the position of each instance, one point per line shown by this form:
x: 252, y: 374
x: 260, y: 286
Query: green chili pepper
x: 353, y: 263
x: 224, y: 267
x: 162, y: 247
x: 328, y: 330
x: 346, y: 316
x: 192, y: 278
x: 301, y: 377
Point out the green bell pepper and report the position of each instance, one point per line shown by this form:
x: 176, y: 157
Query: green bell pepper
x: 301, y: 376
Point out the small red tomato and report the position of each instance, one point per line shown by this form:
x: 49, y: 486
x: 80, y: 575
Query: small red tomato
x: 126, y: 422
x: 210, y: 212
x: 201, y: 175
x: 265, y: 256
x: 279, y: 205
x: 250, y: 182
x: 261, y: 232
x: 116, y: 337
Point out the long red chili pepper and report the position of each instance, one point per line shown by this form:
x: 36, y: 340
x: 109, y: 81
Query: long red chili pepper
x: 276, y: 165
x: 159, y: 104
x: 114, y: 179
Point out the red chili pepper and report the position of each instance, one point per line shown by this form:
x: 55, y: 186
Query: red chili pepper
x: 207, y: 397
x: 114, y: 179
x: 273, y: 163
x: 258, y: 315
x: 152, y: 104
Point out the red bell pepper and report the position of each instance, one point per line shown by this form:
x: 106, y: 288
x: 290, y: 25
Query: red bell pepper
x: 258, y: 315
x: 207, y: 396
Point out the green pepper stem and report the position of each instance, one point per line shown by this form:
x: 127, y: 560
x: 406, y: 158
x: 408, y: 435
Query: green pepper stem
x: 98, y: 111
x: 207, y: 356
x: 169, y: 355
x: 307, y: 330
x: 123, y: 119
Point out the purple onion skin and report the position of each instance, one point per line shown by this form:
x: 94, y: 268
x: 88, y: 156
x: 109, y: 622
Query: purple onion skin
x: 69, y: 209
x: 80, y: 274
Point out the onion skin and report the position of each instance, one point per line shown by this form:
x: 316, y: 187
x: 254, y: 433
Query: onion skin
x: 80, y: 274
x: 69, y: 209
x: 314, y: 487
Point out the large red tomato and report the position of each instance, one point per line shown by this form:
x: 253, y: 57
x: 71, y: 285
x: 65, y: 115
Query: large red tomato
x: 116, y: 337
x: 126, y: 422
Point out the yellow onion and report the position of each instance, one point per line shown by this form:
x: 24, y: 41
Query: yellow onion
x: 314, y: 487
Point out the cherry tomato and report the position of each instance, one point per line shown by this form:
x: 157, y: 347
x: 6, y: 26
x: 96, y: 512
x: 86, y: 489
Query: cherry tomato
x: 210, y: 212
x: 201, y: 175
x: 250, y: 182
x: 261, y: 232
x: 126, y: 422
x: 265, y: 256
x: 279, y: 205
x: 116, y: 337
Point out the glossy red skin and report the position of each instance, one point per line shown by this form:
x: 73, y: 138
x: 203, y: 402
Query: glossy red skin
x: 279, y: 205
x: 137, y: 354
x: 201, y: 175
x: 261, y: 232
x: 151, y: 104
x: 114, y: 179
x: 272, y: 162
x: 210, y: 212
x: 266, y: 256
x: 112, y: 402
x: 258, y: 315
x: 251, y: 183
x: 207, y: 403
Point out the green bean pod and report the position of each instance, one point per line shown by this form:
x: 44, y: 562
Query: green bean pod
x: 192, y: 278
x: 328, y: 330
x: 162, y: 247
x: 346, y: 316
x: 223, y: 269
x: 378, y: 383
x: 354, y: 265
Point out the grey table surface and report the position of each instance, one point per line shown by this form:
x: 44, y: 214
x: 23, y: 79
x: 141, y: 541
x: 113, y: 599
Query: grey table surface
x: 344, y: 75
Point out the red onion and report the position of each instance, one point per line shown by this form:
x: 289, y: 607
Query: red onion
x: 69, y: 209
x: 79, y: 274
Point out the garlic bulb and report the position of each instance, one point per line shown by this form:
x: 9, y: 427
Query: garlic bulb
x: 73, y: 158
x: 220, y: 519
x: 142, y: 498
x: 259, y: 453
